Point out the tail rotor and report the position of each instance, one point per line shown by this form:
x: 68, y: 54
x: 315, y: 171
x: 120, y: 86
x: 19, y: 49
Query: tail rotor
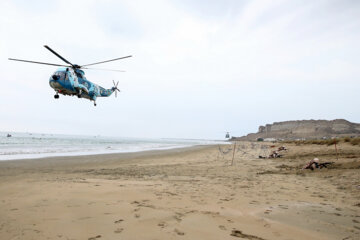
x: 115, y: 88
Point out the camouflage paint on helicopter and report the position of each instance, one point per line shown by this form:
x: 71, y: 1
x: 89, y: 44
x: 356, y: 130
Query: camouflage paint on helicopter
x: 70, y: 79
x: 71, y: 82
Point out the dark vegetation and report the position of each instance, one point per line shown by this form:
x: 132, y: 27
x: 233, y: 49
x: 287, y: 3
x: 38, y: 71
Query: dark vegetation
x: 353, y: 141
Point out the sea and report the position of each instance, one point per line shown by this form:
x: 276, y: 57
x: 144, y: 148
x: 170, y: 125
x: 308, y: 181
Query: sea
x: 16, y: 145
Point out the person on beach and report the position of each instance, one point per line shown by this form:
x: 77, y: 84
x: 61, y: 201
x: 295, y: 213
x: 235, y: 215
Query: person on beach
x: 312, y: 164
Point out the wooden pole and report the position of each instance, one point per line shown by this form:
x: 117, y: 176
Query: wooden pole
x: 337, y: 155
x: 232, y: 161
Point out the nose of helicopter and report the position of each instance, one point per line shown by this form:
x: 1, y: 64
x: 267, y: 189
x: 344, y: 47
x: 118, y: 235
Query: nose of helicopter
x: 53, y: 83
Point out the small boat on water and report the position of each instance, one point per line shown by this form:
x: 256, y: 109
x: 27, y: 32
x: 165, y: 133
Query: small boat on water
x: 9, y: 135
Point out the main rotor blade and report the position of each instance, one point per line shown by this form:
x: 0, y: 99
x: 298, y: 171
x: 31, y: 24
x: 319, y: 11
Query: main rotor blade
x: 48, y: 48
x: 106, y: 61
x: 103, y: 69
x: 52, y: 64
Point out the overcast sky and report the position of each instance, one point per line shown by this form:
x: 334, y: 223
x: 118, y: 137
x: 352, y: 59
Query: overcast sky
x: 199, y: 68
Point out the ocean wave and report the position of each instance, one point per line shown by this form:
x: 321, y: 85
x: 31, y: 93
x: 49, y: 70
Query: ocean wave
x: 30, y: 145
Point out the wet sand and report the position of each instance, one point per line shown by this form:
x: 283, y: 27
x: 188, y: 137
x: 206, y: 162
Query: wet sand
x: 191, y: 193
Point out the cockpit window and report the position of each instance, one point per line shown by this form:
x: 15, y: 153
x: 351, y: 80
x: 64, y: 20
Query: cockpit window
x: 78, y: 75
x: 61, y: 75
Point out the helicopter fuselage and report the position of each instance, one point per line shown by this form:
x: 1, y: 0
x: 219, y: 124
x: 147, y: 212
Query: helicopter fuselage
x: 67, y: 81
x: 70, y: 79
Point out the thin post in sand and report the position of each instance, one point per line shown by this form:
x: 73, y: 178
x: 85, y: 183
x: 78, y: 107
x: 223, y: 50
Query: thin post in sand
x: 337, y: 155
x: 232, y: 161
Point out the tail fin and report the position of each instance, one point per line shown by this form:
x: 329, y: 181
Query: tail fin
x: 107, y: 92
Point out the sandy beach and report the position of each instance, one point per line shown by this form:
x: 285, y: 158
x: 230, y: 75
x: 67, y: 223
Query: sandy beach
x: 189, y: 193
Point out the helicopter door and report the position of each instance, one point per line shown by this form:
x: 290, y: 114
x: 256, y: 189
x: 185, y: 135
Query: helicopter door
x: 76, y: 82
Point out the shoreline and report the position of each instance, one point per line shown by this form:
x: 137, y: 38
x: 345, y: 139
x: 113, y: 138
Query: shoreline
x: 187, y: 193
x: 87, y: 154
x: 26, y: 146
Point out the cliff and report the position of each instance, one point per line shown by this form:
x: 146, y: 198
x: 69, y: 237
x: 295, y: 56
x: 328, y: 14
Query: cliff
x: 308, y: 129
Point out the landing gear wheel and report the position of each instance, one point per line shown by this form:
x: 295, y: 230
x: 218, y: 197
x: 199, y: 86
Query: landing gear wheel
x: 56, y: 96
x: 95, y: 104
x: 79, y: 94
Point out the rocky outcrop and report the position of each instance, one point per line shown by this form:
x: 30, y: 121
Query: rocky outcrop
x: 307, y: 129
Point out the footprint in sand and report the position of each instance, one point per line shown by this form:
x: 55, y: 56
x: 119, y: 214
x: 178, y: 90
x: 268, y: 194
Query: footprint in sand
x: 268, y: 211
x: 162, y: 224
x: 178, y: 232
x: 178, y: 217
x: 119, y: 221
x: 267, y: 225
x: 94, y: 238
x: 119, y: 230
x: 222, y: 227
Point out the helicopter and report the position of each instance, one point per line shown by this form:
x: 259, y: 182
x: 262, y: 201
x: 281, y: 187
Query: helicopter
x: 227, y: 135
x: 70, y: 79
